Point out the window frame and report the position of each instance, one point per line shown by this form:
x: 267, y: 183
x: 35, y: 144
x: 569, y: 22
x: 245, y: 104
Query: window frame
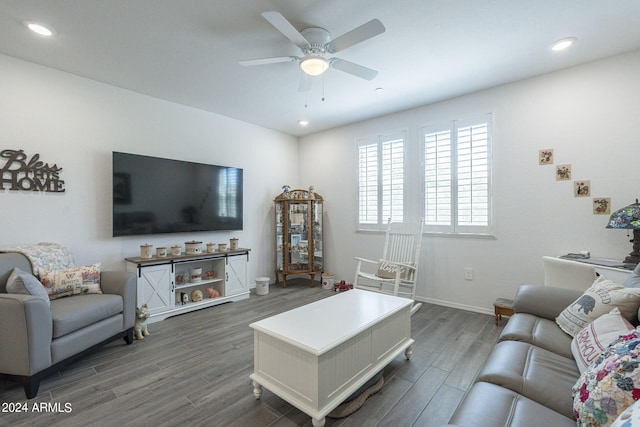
x: 454, y: 228
x: 382, y: 217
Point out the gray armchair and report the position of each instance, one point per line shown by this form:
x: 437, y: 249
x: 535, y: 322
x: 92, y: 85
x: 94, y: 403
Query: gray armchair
x: 37, y: 340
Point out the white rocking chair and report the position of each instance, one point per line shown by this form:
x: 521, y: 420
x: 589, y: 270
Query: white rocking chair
x: 396, y: 273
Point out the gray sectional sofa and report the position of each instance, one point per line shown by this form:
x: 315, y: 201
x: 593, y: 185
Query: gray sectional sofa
x: 527, y: 378
x: 36, y: 340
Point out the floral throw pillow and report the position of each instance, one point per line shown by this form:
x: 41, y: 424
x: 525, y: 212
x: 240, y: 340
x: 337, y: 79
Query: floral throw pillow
x: 591, y: 341
x: 611, y: 383
x: 71, y: 281
x: 599, y: 299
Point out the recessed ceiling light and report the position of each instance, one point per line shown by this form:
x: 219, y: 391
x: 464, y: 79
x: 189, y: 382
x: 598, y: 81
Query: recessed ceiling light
x: 563, y: 44
x: 39, y: 29
x: 303, y: 122
x: 379, y: 89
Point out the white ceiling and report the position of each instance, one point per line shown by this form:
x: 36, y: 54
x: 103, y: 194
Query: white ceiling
x: 187, y: 51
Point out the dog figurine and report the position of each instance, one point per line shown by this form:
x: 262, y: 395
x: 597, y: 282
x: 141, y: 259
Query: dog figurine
x: 140, y: 329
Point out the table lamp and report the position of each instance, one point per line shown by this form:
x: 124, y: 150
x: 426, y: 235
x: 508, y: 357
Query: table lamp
x: 629, y: 218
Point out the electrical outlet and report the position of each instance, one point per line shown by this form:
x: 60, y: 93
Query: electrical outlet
x: 468, y: 273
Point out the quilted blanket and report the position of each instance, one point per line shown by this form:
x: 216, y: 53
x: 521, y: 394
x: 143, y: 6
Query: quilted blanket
x: 52, y: 256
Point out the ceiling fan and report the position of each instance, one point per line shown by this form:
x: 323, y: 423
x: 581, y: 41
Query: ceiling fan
x: 316, y: 42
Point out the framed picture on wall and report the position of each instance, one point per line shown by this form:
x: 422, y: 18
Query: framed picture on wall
x: 602, y: 206
x: 545, y: 157
x: 581, y: 188
x: 563, y: 172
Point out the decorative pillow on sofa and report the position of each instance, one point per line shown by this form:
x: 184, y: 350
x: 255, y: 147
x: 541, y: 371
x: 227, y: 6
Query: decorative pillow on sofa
x: 21, y: 282
x: 71, y: 281
x: 610, y: 385
x: 599, y: 299
x: 387, y: 270
x: 592, y: 340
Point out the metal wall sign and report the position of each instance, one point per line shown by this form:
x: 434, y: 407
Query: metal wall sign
x: 19, y: 173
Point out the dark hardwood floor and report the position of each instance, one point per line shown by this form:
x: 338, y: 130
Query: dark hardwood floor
x: 193, y: 370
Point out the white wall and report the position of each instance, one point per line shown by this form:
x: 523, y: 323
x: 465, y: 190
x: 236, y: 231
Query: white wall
x: 76, y: 123
x: 589, y: 115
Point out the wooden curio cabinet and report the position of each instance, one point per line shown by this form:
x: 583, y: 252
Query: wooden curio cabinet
x: 299, y: 245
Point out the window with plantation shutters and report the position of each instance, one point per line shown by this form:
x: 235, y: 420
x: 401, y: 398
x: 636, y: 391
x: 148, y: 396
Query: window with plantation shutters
x: 457, y: 176
x: 381, y: 180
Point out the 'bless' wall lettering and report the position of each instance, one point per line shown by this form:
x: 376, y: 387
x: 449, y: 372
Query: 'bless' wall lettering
x: 33, y: 175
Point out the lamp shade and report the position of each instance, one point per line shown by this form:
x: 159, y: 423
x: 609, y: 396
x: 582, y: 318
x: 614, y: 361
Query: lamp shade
x: 314, y: 65
x: 627, y: 217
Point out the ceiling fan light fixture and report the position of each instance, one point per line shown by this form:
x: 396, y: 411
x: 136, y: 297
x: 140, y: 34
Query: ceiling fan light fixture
x: 314, y: 65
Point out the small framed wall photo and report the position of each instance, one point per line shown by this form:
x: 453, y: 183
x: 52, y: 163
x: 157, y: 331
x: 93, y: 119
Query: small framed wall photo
x: 581, y: 188
x: 602, y: 206
x: 545, y: 157
x: 563, y: 172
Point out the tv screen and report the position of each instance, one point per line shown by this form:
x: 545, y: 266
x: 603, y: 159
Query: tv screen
x: 152, y: 195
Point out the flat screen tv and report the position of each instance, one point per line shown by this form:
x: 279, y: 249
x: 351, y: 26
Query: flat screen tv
x: 152, y: 195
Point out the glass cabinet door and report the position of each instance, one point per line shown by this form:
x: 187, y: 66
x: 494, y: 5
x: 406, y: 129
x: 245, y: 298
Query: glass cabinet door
x: 298, y: 253
x: 318, y: 258
x: 279, y: 237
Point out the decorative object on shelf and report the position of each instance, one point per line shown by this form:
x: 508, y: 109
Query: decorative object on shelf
x: 629, y: 218
x: 545, y: 156
x: 299, y: 234
x: 176, y: 250
x: 184, y: 298
x: 581, y: 188
x: 196, y: 275
x: 222, y: 247
x: 601, y: 205
x: 193, y: 247
x: 563, y: 172
x: 196, y: 296
x: 146, y: 251
x: 233, y: 243
x: 20, y: 174
x: 210, y: 275
x: 161, y: 252
x: 211, y: 248
x: 285, y: 189
x: 140, y: 327
x: 213, y: 293
x: 181, y: 279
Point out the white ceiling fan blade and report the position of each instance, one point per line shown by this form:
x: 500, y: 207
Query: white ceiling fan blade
x: 355, y: 69
x: 264, y: 61
x: 280, y: 22
x: 363, y: 32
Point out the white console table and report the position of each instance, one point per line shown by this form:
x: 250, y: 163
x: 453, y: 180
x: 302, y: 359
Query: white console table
x: 316, y: 356
x: 162, y: 281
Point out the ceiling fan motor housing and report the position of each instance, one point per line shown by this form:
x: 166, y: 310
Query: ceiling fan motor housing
x: 317, y: 38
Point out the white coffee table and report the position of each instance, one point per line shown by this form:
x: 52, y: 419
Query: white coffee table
x: 316, y: 356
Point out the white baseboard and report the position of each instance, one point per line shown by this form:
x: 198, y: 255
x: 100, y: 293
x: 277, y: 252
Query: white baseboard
x: 481, y: 310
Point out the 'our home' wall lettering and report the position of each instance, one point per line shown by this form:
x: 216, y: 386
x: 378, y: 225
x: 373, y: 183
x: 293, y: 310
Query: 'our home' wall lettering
x: 20, y: 174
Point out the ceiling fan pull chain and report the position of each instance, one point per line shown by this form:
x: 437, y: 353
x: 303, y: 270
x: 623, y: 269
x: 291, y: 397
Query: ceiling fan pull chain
x: 323, y: 88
